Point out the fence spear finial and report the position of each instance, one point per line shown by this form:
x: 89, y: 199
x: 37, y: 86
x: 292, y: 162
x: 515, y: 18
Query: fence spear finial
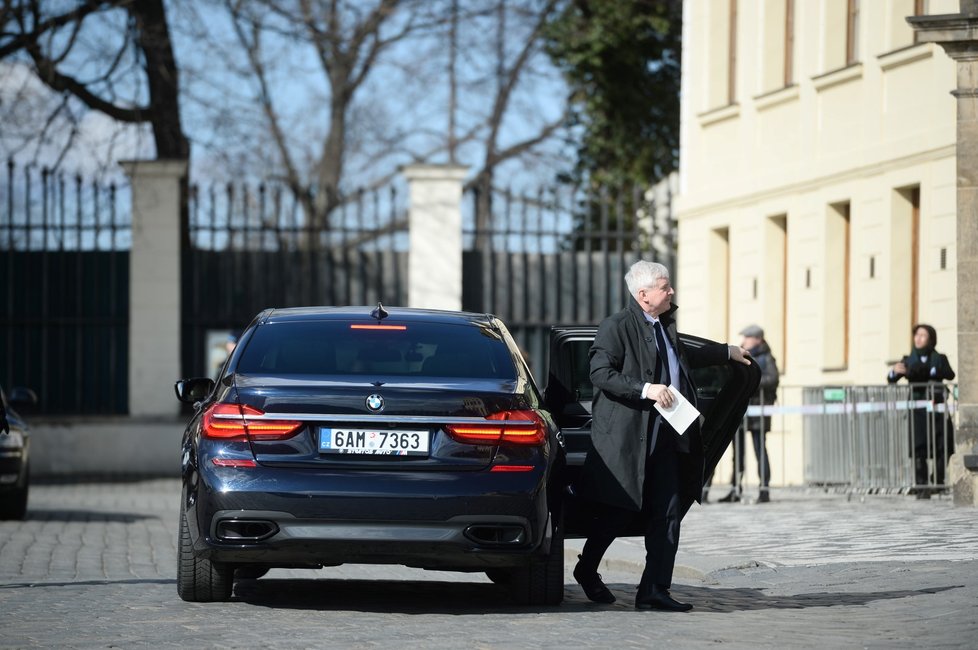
x: 379, y: 313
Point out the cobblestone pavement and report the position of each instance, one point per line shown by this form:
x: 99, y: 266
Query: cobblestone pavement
x: 93, y: 566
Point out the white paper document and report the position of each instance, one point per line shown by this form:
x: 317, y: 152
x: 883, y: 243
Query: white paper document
x: 681, y: 414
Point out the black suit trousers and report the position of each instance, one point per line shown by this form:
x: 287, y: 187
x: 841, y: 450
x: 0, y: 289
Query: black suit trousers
x: 659, y: 518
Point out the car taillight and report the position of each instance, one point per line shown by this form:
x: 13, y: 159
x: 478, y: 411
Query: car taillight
x: 505, y: 427
x: 232, y: 422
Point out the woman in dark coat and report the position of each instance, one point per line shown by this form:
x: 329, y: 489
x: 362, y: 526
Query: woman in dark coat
x: 925, y: 369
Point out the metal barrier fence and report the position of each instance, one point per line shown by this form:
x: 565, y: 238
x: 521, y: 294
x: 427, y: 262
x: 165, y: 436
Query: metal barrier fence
x: 879, y: 438
x: 872, y: 439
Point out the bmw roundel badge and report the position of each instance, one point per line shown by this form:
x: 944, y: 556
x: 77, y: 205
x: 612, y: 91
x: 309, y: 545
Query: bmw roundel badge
x: 375, y: 403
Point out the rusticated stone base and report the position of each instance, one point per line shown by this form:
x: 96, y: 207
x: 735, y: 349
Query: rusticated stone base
x: 964, y: 482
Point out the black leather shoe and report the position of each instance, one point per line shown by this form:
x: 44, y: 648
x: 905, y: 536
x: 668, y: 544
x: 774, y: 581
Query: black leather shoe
x: 732, y: 497
x: 592, y: 585
x: 764, y: 497
x: 660, y: 599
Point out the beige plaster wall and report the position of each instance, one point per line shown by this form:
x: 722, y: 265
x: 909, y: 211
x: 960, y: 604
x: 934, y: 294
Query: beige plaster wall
x: 770, y: 171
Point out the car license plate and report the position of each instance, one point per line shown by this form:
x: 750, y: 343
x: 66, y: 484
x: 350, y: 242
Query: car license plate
x: 378, y: 442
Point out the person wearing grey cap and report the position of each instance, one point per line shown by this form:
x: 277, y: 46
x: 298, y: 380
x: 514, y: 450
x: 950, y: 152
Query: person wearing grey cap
x: 760, y: 351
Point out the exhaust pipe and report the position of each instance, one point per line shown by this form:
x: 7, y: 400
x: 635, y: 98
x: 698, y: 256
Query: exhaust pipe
x: 245, y: 530
x: 501, y: 535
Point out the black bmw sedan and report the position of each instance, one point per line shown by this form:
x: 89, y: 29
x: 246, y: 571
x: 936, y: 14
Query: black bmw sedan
x: 352, y: 434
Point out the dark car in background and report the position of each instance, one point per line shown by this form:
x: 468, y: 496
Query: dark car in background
x: 15, y: 448
x: 338, y: 435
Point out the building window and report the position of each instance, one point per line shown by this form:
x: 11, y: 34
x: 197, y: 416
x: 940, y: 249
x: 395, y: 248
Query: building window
x: 852, y: 33
x: 903, y: 269
x: 836, y: 290
x: 901, y: 34
x: 777, y: 45
x: 721, y: 48
x: 789, y: 42
x: 732, y: 53
x: 919, y: 9
x: 914, y: 251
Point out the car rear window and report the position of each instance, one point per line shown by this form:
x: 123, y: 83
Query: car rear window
x: 336, y: 348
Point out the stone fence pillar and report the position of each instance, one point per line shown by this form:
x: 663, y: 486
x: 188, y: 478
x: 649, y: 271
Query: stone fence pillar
x: 958, y: 35
x: 154, y: 286
x: 435, y: 235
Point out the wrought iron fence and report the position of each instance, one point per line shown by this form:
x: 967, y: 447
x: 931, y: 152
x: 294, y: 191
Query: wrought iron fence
x: 559, y: 257
x: 253, y: 247
x: 64, y: 310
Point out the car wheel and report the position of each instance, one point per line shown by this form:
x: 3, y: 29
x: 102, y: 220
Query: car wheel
x: 200, y: 580
x: 14, y: 505
x: 542, y: 581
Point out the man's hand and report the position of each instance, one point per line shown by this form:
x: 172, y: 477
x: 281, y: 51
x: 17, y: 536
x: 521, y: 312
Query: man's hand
x: 660, y: 393
x: 738, y: 353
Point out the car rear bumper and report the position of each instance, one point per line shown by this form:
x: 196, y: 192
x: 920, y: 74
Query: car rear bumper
x: 437, y: 520
x: 461, y: 543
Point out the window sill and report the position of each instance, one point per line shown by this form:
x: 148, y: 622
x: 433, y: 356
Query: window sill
x: 776, y: 97
x: 905, y: 56
x: 721, y: 114
x: 836, y: 369
x: 837, y: 77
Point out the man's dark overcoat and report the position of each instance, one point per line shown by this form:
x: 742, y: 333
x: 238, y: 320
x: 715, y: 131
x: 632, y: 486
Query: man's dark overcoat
x: 622, y: 360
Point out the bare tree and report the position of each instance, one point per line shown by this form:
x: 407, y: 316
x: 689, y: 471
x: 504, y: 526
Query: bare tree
x: 510, y: 71
x: 378, y: 70
x: 131, y: 77
x: 347, y: 40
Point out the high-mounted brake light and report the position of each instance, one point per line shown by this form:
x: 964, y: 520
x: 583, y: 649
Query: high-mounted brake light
x: 232, y: 422
x: 505, y: 427
x: 379, y: 327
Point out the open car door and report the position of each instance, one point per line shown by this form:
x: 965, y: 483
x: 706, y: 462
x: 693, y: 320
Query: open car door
x: 723, y: 394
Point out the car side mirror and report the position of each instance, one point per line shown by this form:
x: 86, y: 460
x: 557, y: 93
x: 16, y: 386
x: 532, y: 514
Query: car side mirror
x: 194, y: 389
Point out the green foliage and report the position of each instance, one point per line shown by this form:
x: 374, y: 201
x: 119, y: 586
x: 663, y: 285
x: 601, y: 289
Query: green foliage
x: 621, y: 59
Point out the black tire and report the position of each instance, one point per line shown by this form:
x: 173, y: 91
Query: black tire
x: 13, y: 505
x: 541, y: 582
x: 198, y: 579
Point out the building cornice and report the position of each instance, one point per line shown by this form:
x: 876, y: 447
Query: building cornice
x: 956, y: 33
x: 809, y: 184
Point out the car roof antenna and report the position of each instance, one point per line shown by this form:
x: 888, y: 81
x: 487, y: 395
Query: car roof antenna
x: 379, y: 313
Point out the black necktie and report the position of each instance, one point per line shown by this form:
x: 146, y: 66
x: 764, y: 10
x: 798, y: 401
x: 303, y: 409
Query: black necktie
x: 662, y: 356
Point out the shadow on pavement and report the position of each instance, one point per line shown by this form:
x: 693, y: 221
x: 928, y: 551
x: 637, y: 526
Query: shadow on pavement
x: 398, y: 597
x: 724, y: 601
x: 89, y: 583
x: 431, y: 597
x: 87, y: 515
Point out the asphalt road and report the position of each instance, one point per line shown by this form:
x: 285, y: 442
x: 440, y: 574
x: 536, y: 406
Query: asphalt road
x: 93, y: 566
